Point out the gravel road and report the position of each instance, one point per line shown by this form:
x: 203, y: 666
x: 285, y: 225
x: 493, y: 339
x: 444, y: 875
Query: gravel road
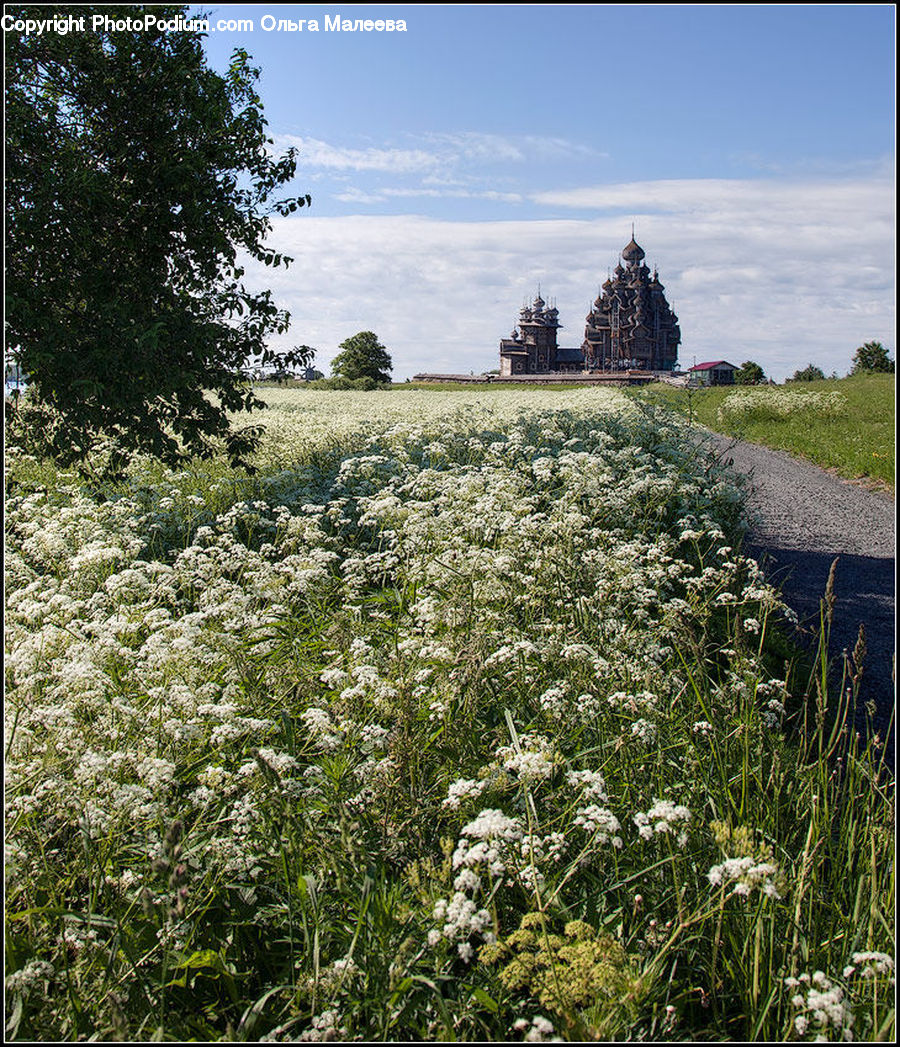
x: 803, y: 518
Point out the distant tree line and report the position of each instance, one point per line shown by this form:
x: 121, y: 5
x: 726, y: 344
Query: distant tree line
x: 810, y: 373
x: 870, y: 358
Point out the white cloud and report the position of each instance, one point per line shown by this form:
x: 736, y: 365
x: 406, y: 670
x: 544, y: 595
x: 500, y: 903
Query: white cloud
x: 435, y: 152
x: 476, y: 146
x: 359, y: 196
x: 783, y: 273
x: 554, y: 148
x: 462, y: 194
x: 717, y: 198
x: 315, y: 153
x: 481, y: 147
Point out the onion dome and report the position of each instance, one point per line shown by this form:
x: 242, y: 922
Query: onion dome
x: 539, y: 304
x: 633, y: 252
x: 525, y: 313
x: 619, y: 271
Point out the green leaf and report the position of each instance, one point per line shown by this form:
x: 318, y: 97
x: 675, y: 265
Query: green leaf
x: 202, y: 958
x: 486, y: 1001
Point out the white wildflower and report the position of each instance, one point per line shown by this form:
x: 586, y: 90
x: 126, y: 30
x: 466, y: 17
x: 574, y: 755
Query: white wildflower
x: 664, y: 817
x: 645, y: 731
x: 600, y: 822
x: 493, y: 824
x: 821, y: 1005
x: 872, y: 963
x: 746, y: 873
x: 29, y: 977
x: 463, y: 789
x: 532, y: 760
x: 591, y: 782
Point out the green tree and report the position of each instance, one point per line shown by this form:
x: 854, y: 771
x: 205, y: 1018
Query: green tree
x: 135, y: 177
x: 362, y: 356
x: 749, y: 373
x: 809, y: 373
x: 872, y: 357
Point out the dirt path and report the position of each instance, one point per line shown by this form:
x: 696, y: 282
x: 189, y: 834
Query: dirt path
x: 804, y: 518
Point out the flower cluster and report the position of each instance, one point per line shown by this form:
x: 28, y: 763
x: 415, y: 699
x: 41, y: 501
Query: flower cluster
x: 325, y: 1028
x: 871, y: 965
x: 461, y: 918
x: 600, y: 822
x: 747, y: 404
x: 567, y: 972
x: 532, y: 759
x: 33, y: 976
x: 746, y: 874
x: 751, y: 868
x: 591, y: 783
x: 820, y: 1006
x: 463, y: 789
x: 536, y: 1031
x: 664, y: 818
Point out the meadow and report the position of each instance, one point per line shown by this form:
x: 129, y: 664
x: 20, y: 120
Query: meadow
x: 845, y: 424
x: 464, y: 717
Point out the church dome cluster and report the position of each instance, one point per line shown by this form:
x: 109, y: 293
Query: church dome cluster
x: 629, y: 326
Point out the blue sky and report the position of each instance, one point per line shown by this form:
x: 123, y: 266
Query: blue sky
x: 487, y: 149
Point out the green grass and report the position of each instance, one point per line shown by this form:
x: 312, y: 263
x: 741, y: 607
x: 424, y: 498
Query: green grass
x: 857, y: 442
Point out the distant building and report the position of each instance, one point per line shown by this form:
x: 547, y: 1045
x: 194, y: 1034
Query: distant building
x: 715, y: 372
x: 274, y: 373
x: 533, y: 349
x: 631, y: 324
x: 630, y: 327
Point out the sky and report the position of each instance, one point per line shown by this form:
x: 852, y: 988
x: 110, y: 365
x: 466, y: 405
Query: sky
x: 487, y: 151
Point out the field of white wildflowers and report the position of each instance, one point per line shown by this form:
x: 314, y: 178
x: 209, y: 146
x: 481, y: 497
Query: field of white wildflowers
x: 766, y: 403
x: 464, y: 717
